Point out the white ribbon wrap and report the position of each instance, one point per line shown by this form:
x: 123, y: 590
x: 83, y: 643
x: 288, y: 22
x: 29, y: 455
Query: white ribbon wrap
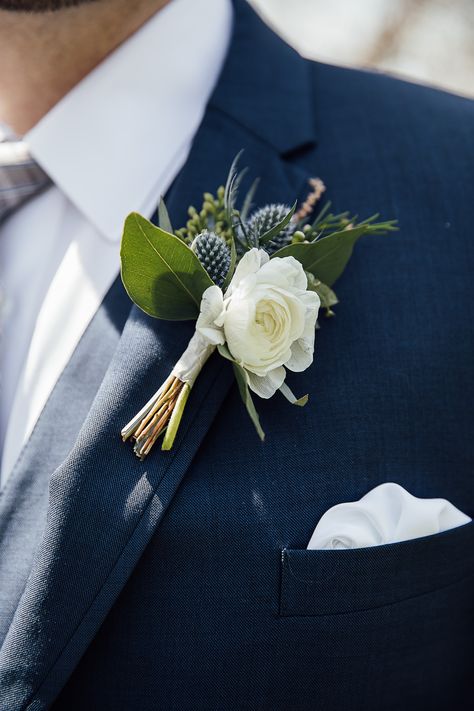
x: 193, y: 359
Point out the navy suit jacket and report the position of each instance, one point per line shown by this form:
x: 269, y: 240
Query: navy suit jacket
x: 183, y: 582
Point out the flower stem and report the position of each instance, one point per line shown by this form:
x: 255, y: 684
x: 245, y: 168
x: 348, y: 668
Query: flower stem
x: 162, y: 414
x: 175, y: 419
x: 131, y: 427
x: 158, y: 418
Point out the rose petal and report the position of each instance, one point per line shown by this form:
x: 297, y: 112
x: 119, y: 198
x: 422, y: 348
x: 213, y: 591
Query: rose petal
x: 269, y: 318
x: 302, y: 350
x: 285, y: 272
x: 302, y: 355
x: 266, y: 386
x: 209, y: 323
x: 250, y: 263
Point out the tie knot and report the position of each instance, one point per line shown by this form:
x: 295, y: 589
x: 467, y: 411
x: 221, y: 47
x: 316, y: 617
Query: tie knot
x: 20, y: 176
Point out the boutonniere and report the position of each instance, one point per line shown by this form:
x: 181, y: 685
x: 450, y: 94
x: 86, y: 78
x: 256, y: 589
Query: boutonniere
x: 254, y: 281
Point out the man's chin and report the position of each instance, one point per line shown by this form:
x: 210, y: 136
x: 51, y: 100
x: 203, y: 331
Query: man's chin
x: 40, y: 5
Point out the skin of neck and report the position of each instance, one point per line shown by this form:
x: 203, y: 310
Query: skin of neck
x: 44, y: 55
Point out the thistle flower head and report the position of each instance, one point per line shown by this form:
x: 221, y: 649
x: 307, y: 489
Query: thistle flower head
x: 214, y: 255
x: 265, y: 219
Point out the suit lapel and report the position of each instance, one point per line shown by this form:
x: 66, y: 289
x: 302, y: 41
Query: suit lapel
x: 104, y: 503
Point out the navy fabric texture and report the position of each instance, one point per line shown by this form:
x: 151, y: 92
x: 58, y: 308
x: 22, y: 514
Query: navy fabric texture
x: 183, y: 582
x: 24, y: 499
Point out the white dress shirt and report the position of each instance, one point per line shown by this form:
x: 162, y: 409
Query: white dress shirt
x: 111, y: 146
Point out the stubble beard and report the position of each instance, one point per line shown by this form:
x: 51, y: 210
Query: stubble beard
x: 38, y: 6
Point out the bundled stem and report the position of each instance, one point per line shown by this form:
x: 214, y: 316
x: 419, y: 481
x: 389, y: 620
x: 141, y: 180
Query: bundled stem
x: 147, y: 426
x: 163, y: 412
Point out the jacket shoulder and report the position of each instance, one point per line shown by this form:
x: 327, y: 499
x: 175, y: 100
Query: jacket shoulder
x: 383, y: 96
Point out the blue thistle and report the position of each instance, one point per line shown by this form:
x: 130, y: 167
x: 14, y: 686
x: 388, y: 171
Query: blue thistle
x: 214, y: 255
x: 265, y: 219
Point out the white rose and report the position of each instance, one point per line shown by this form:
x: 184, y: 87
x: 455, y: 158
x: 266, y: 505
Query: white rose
x: 267, y: 319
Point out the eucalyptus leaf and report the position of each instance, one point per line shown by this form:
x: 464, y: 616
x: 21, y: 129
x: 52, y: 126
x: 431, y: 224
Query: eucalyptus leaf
x: 327, y: 258
x: 278, y: 228
x: 161, y: 274
x: 164, y: 218
x: 326, y: 294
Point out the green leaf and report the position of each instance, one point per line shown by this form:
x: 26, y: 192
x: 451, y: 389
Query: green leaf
x: 161, y: 274
x: 244, y: 391
x: 225, y: 353
x: 248, y: 201
x: 278, y: 228
x: 326, y: 294
x: 233, y: 262
x: 247, y: 398
x: 327, y: 258
x: 322, y: 214
x: 164, y: 218
x: 232, y: 187
x: 287, y: 393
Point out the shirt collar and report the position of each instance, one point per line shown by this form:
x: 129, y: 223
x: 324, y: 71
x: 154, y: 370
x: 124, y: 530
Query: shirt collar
x: 112, y: 143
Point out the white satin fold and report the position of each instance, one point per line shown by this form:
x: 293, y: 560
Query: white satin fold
x: 387, y: 514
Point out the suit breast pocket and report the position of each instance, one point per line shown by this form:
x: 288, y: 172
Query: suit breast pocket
x: 328, y: 582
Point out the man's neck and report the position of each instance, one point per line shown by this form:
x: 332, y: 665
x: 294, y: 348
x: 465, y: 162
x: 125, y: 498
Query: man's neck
x: 43, y: 56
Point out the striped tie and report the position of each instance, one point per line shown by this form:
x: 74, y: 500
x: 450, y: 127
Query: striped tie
x: 20, y: 176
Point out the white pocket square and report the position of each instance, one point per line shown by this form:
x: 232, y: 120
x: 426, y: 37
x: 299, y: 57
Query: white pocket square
x: 387, y: 514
